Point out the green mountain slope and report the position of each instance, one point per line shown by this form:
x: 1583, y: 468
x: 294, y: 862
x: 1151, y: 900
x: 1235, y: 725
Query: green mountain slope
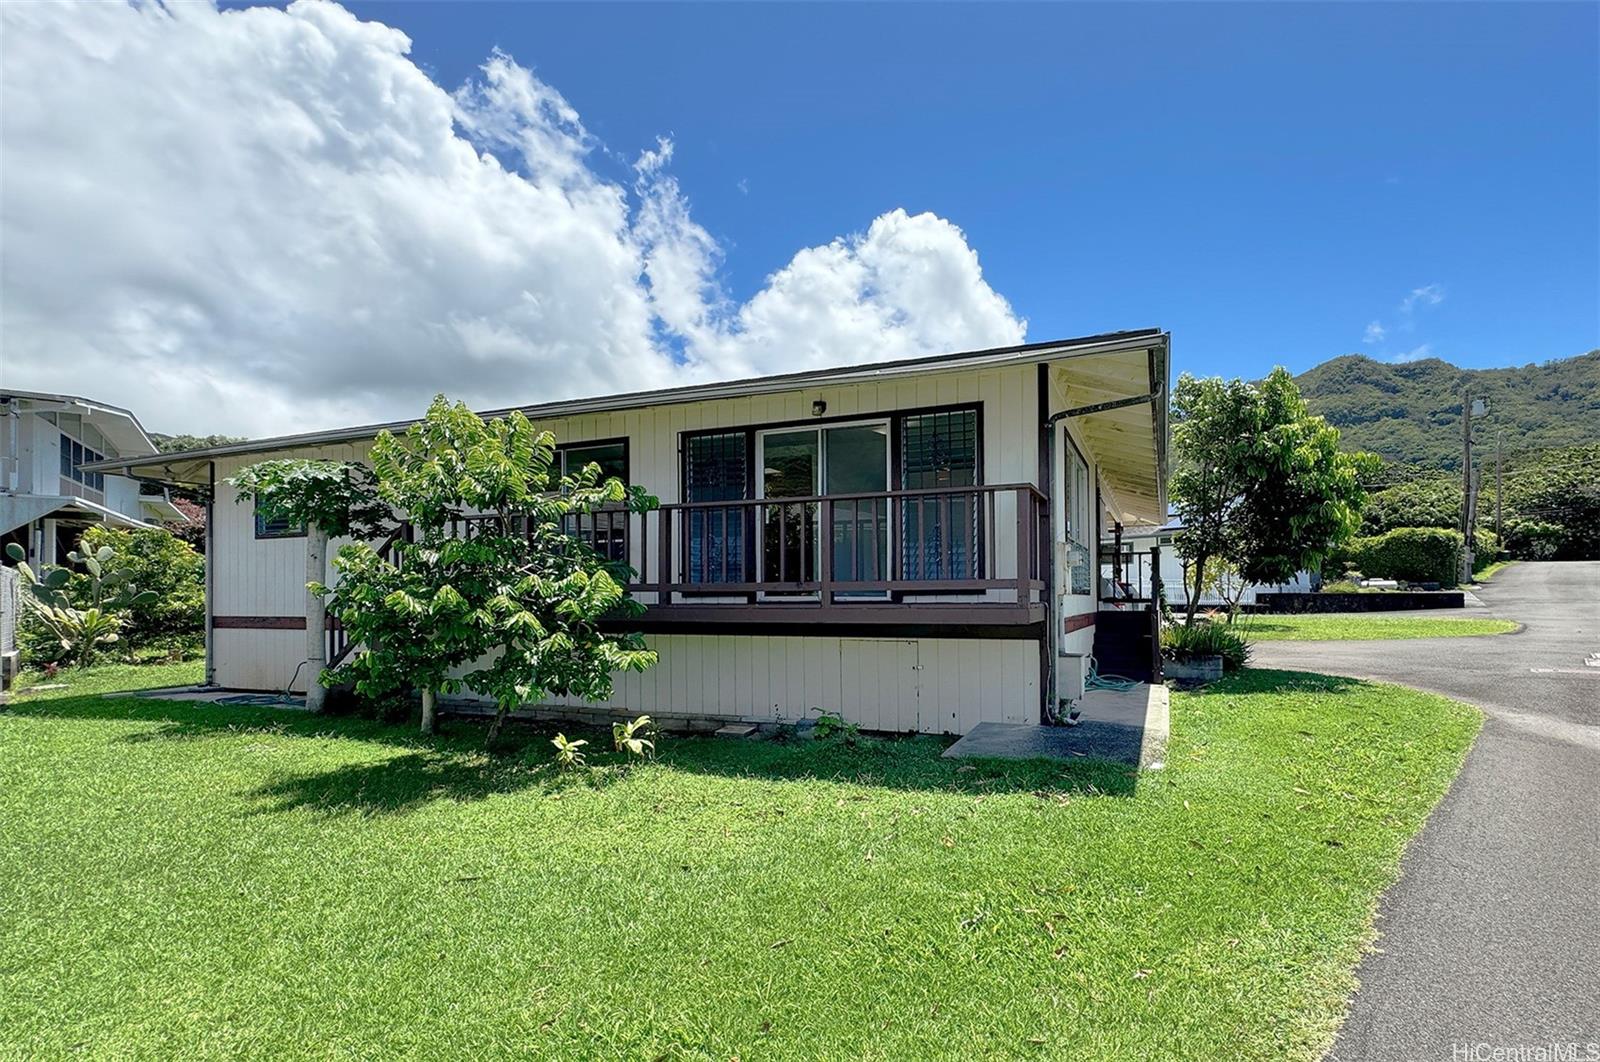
x: 1411, y: 412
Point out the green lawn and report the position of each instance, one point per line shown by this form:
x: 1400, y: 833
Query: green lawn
x: 109, y: 678
x: 1344, y: 626
x: 1489, y: 571
x: 182, y: 880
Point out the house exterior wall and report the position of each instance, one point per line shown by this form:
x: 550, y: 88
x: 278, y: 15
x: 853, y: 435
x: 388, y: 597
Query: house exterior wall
x: 37, y: 468
x: 1172, y: 576
x: 1075, y: 612
x: 929, y: 684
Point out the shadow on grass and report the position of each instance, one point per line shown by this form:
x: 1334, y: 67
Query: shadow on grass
x: 452, y: 765
x: 1270, y: 681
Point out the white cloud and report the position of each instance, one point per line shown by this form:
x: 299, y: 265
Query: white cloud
x: 257, y: 221
x: 1375, y: 332
x: 1427, y: 295
x: 1417, y: 353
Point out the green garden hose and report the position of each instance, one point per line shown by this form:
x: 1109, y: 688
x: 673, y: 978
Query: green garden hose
x: 1097, y: 681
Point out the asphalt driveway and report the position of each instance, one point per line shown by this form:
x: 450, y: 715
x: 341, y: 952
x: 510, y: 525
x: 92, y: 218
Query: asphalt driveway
x: 1492, y: 934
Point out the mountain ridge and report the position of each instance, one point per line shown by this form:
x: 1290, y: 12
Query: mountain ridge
x: 1410, y: 412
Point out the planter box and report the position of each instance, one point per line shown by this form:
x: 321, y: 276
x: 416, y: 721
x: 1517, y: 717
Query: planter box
x: 1195, y: 669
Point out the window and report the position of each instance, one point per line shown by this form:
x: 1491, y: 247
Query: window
x: 1080, y: 526
x: 716, y: 468
x: 74, y: 455
x: 274, y: 527
x: 612, y: 457
x: 939, y: 532
x: 607, y: 529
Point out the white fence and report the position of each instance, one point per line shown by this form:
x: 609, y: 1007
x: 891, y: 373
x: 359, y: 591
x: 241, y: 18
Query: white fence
x: 10, y: 610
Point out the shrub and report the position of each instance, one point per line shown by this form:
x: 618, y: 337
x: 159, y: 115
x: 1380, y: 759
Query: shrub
x: 1183, y: 642
x: 1485, y: 549
x: 1534, y: 539
x: 173, y: 619
x: 1408, y: 554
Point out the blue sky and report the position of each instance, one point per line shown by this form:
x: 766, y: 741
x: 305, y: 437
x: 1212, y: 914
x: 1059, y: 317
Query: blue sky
x: 1263, y: 180
x: 520, y: 202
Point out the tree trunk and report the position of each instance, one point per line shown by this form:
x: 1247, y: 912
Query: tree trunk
x: 430, y: 722
x: 1194, y: 595
x: 316, y: 617
x: 495, y: 727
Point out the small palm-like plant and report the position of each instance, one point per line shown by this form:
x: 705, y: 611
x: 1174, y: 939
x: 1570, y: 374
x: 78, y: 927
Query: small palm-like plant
x: 569, y: 751
x: 629, y: 737
x: 82, y: 632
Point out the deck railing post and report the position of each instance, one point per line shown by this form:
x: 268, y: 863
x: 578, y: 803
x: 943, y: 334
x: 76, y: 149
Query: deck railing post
x: 664, y: 558
x: 1024, y: 543
x: 824, y: 547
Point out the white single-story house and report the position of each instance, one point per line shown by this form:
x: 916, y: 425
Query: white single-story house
x: 49, y: 493
x: 908, y: 543
x: 1150, y: 551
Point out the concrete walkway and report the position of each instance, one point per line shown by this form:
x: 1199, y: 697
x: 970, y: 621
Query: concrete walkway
x: 1492, y: 934
x: 1125, y: 727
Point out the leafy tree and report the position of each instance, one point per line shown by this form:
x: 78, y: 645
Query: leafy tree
x: 332, y: 499
x: 1259, y: 481
x: 519, y: 596
x: 173, y: 444
x: 1423, y: 501
x: 192, y: 529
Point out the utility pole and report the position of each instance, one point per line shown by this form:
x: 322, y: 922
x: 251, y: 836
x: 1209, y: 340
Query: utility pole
x: 1466, y: 485
x: 1499, y: 492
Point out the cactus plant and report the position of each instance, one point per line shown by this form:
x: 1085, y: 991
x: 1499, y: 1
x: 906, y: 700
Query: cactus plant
x: 80, y: 631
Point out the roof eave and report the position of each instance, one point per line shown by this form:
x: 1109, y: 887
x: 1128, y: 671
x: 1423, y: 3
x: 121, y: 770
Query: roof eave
x: 1029, y: 353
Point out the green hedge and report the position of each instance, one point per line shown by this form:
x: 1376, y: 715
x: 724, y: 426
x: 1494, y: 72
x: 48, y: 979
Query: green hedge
x: 1408, y: 554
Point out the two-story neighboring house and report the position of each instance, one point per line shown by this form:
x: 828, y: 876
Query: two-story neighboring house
x: 47, y: 495
x: 910, y: 544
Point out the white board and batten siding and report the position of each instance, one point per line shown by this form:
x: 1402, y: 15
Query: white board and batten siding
x: 934, y: 685
x: 929, y: 685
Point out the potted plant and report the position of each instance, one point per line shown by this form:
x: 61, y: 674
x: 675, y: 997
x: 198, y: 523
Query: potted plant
x: 1201, y: 652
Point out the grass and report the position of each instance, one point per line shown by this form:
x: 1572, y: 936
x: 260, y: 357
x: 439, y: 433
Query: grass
x: 192, y: 880
x: 1355, y: 626
x: 108, y: 678
x: 1488, y: 571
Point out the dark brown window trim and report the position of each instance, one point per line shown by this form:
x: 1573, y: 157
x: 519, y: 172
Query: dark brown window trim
x: 895, y: 417
x: 261, y: 523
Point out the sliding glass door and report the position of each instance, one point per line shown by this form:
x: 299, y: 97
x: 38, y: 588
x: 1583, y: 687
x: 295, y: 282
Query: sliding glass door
x: 808, y: 463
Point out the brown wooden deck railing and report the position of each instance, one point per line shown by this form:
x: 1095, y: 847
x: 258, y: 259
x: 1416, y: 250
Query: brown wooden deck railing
x: 839, y: 547
x: 970, y: 547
